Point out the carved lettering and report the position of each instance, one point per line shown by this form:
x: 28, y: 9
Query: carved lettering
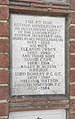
x: 38, y: 55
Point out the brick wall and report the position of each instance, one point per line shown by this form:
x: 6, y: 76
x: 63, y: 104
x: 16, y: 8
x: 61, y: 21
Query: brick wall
x: 72, y: 59
x: 4, y: 58
x: 9, y: 103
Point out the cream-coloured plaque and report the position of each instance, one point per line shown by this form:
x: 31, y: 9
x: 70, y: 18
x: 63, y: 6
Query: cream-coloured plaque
x: 45, y: 114
x: 38, y: 55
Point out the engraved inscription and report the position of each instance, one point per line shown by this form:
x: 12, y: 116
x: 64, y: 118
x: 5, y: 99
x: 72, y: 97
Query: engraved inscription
x: 38, y: 55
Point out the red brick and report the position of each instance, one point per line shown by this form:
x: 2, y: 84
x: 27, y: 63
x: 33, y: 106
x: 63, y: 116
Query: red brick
x: 72, y: 76
x: 4, y: 61
x: 4, y: 93
x: 72, y: 46
x: 72, y: 90
x: 4, y: 29
x: 72, y: 18
x: 72, y: 116
x: 72, y: 32
x: 42, y: 103
x: 72, y: 103
x: 35, y: 1
x: 4, y: 1
x: 56, y: 6
x: 4, y: 46
x: 27, y: 109
x: 41, y: 10
x: 72, y: 108
x: 4, y: 13
x: 28, y: 99
x: 73, y: 4
x: 40, y: 5
x: 34, y: 108
x: 3, y: 109
x: 4, y: 76
x: 51, y: 98
x: 72, y: 61
x: 28, y: 10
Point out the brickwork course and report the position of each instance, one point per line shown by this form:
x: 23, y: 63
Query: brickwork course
x: 10, y: 103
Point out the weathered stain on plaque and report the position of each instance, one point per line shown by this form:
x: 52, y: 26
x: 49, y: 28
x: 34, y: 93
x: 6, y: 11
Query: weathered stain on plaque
x: 45, y: 114
x: 38, y: 55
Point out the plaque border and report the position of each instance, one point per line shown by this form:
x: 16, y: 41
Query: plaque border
x: 66, y: 64
x: 21, y: 9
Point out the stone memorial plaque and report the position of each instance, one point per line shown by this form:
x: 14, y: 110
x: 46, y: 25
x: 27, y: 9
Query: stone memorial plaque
x: 38, y: 55
x: 46, y: 114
